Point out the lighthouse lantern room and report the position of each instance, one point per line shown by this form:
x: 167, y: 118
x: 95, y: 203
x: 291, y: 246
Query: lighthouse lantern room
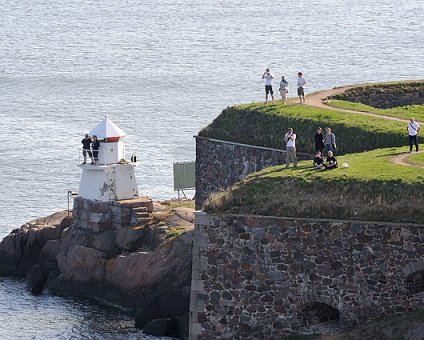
x: 112, y: 177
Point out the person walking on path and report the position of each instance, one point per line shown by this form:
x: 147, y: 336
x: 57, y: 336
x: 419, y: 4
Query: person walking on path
x: 95, y: 145
x: 301, y: 82
x: 86, y: 144
x: 319, y: 141
x: 330, y: 141
x: 284, y: 89
x: 413, y: 128
x: 290, y: 139
x: 268, y: 78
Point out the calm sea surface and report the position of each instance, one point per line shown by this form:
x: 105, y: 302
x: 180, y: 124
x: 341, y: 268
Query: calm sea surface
x: 161, y: 70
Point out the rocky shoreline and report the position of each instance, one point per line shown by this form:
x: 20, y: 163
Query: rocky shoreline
x: 134, y: 254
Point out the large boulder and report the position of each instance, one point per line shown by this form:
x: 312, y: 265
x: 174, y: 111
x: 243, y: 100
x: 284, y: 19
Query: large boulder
x: 22, y: 248
x: 36, y: 279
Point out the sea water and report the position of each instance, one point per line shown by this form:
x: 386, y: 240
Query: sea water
x: 161, y: 70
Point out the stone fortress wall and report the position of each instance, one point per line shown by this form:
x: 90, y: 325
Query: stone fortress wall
x: 265, y: 277
x: 385, y: 96
x: 219, y: 164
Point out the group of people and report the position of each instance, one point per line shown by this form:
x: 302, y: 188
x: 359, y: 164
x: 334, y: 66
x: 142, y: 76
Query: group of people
x: 90, y: 148
x: 284, y: 87
x: 323, y: 142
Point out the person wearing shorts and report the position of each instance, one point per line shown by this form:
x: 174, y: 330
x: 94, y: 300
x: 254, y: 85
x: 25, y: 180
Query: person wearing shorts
x: 268, y: 78
x: 301, y: 82
x: 284, y: 89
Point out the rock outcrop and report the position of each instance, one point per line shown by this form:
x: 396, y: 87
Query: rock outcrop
x: 122, y: 253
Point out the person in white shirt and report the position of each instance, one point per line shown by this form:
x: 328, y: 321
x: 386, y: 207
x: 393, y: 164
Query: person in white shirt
x: 267, y: 77
x: 413, y: 128
x: 301, y: 82
x: 290, y: 139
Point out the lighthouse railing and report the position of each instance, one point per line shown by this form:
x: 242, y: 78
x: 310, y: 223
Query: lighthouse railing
x: 90, y: 156
x: 129, y: 154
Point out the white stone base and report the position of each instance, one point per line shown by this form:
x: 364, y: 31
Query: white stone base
x: 108, y: 182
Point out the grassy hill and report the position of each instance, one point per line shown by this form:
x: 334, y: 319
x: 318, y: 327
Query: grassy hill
x: 257, y: 124
x: 371, y: 188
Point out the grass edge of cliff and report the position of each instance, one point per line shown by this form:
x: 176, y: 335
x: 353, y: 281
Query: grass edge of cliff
x: 372, y: 188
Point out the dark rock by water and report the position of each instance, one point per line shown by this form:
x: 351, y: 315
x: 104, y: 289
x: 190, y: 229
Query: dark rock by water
x: 162, y: 327
x: 107, y: 252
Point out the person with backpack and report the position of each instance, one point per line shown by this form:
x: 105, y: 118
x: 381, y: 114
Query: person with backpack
x: 413, y: 128
x: 284, y: 89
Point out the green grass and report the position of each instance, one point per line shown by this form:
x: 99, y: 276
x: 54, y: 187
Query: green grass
x: 372, y: 188
x: 257, y: 124
x: 415, y: 159
x: 404, y: 112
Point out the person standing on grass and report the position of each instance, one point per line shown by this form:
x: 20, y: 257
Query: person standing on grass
x: 267, y: 77
x: 319, y: 140
x: 284, y: 89
x: 290, y: 139
x: 329, y: 140
x: 413, y: 128
x: 301, y: 82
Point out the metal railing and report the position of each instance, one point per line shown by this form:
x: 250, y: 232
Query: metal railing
x: 129, y: 154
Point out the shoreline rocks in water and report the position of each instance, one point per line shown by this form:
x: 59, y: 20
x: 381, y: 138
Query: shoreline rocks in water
x: 123, y: 253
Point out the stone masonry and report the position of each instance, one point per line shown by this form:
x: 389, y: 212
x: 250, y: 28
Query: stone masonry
x: 220, y: 164
x: 260, y: 277
x: 383, y: 100
x: 98, y: 216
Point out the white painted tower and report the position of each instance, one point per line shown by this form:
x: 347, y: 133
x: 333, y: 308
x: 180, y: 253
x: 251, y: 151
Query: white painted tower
x: 112, y: 178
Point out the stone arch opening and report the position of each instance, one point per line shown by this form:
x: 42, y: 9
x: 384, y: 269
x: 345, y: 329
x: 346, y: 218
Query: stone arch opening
x: 319, y: 312
x: 415, y: 282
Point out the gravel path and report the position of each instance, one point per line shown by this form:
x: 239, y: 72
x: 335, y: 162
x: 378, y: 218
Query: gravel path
x: 319, y: 99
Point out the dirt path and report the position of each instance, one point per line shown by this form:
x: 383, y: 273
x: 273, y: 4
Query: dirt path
x: 400, y: 160
x: 318, y: 99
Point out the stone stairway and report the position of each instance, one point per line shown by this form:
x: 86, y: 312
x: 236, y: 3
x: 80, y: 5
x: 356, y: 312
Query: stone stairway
x: 142, y: 215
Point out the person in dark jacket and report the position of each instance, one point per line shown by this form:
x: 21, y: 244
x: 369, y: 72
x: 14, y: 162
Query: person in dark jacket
x: 331, y: 162
x: 86, y: 145
x: 319, y: 141
x: 95, y: 145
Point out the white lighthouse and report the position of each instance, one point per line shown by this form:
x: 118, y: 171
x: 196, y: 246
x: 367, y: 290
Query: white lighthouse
x: 112, y: 177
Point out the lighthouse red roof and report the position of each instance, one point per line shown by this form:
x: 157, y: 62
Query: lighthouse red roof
x: 107, y: 129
